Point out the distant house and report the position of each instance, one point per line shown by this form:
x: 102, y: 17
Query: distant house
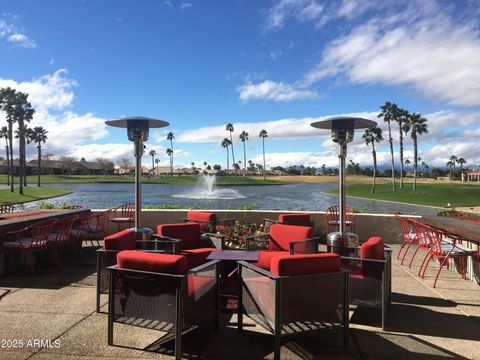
x: 54, y: 167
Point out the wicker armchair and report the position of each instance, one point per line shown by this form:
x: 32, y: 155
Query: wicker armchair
x: 301, y: 293
x: 371, y: 276
x: 157, y: 291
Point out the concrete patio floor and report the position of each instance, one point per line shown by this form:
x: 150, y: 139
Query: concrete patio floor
x: 424, y: 323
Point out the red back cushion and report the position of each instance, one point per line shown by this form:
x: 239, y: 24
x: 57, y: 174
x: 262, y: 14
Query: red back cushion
x: 201, y: 216
x: 290, y: 265
x: 189, y: 233
x: 372, y: 249
x: 294, y: 218
x: 123, y: 240
x: 282, y: 235
x: 145, y: 261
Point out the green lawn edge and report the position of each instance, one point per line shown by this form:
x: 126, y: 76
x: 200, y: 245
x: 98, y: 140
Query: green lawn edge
x: 30, y: 193
x: 435, y: 195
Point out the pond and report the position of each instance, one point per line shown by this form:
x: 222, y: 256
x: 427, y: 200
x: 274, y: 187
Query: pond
x: 299, y: 196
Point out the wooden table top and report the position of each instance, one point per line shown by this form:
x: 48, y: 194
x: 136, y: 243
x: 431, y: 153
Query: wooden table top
x: 17, y: 223
x: 457, y: 226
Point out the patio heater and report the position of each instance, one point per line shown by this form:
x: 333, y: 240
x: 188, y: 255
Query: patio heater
x: 137, y: 131
x: 343, y: 128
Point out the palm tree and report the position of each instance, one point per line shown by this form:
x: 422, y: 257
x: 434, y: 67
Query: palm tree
x: 7, y: 100
x: 454, y: 159
x: 28, y: 132
x: 205, y: 165
x: 389, y: 112
x: 225, y: 144
x: 417, y: 125
x: 170, y: 137
x: 38, y: 135
x: 400, y: 118
x: 263, y: 135
x: 4, y: 134
x: 152, y: 153
x: 157, y: 160
x: 230, y: 128
x: 461, y: 161
x: 450, y: 164
x: 372, y: 135
x: 170, y: 154
x: 407, y: 162
x: 244, y: 137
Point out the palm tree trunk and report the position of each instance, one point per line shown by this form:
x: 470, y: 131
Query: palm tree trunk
x: 228, y: 164
x: 10, y: 141
x: 263, y: 141
x: 374, y: 154
x: 8, y: 161
x: 233, y: 154
x: 415, y: 160
x: 171, y: 158
x: 401, y: 154
x: 390, y: 140
x: 244, y: 161
x: 39, y: 148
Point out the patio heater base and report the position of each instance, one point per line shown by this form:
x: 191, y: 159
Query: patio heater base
x: 142, y: 233
x: 343, y: 244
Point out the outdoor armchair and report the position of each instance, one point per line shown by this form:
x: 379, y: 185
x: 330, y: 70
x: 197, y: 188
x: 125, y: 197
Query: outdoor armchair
x: 124, y: 214
x: 290, y: 219
x: 371, y: 276
x: 125, y: 240
x: 409, y: 235
x: 190, y: 243
x: 301, y: 293
x: 208, y: 221
x: 283, y: 239
x: 158, y: 292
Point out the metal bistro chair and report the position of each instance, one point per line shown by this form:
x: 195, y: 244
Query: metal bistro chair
x: 409, y: 235
x: 94, y: 227
x: 124, y: 214
x: 158, y: 292
x: 32, y: 239
x: 300, y: 294
x: 333, y: 219
x: 60, y: 236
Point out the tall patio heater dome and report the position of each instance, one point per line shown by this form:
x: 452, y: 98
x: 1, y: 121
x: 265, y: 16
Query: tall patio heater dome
x: 343, y: 129
x: 138, y: 131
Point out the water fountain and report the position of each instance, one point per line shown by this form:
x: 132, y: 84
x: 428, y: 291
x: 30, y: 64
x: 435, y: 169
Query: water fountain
x: 205, y: 189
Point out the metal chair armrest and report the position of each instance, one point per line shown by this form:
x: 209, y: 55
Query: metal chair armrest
x: 314, y: 242
x: 202, y: 267
x: 258, y: 270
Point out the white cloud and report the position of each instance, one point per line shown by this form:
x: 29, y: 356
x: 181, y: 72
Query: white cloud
x: 282, y: 10
x: 22, y: 40
x: 168, y: 3
x: 15, y: 35
x: 185, y: 6
x: 276, y: 91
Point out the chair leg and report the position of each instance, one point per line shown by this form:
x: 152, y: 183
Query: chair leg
x: 427, y: 261
x: 29, y: 260
x: 438, y: 273
x: 400, y: 251
x: 413, y: 257
x: 56, y: 258
x: 405, y: 252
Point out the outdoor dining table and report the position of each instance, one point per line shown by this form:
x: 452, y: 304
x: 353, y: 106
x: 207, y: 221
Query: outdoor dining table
x: 462, y: 228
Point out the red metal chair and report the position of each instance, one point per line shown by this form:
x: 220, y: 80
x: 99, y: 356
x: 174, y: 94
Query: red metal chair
x: 290, y: 219
x: 158, y: 292
x: 60, y: 235
x: 409, y: 235
x: 333, y: 219
x: 94, y: 227
x: 300, y: 294
x: 190, y: 238
x: 443, y: 247
x: 30, y: 240
x: 208, y: 221
x: 124, y: 214
x: 281, y: 240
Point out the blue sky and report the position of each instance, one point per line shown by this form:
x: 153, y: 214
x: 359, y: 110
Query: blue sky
x: 274, y: 65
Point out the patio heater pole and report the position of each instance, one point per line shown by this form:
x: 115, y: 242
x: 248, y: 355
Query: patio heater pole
x: 138, y: 131
x: 342, y: 128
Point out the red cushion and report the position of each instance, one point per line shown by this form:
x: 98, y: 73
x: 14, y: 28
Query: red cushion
x: 196, y: 257
x: 372, y: 249
x: 293, y: 219
x: 145, y: 261
x: 282, y: 235
x: 123, y: 240
x: 201, y: 216
x: 290, y: 265
x: 189, y: 233
x: 265, y: 257
x: 355, y: 271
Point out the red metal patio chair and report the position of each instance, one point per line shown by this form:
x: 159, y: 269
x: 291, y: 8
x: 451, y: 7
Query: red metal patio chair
x: 158, y: 292
x: 124, y: 214
x: 60, y: 236
x: 95, y: 227
x: 332, y: 215
x: 300, y: 294
x: 409, y: 235
x: 32, y: 239
x: 443, y: 247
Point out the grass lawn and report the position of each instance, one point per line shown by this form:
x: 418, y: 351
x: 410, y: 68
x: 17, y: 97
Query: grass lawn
x: 438, y: 194
x: 30, y: 193
x: 186, y: 180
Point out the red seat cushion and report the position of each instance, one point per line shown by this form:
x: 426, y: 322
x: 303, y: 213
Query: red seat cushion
x: 290, y: 265
x: 293, y: 219
x: 265, y: 258
x: 197, y: 257
x: 145, y: 261
x: 355, y: 271
x: 189, y: 233
x: 123, y: 240
x: 282, y: 235
x: 372, y: 249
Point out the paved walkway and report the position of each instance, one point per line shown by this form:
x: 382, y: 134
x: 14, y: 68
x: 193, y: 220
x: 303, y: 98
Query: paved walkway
x: 424, y: 323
